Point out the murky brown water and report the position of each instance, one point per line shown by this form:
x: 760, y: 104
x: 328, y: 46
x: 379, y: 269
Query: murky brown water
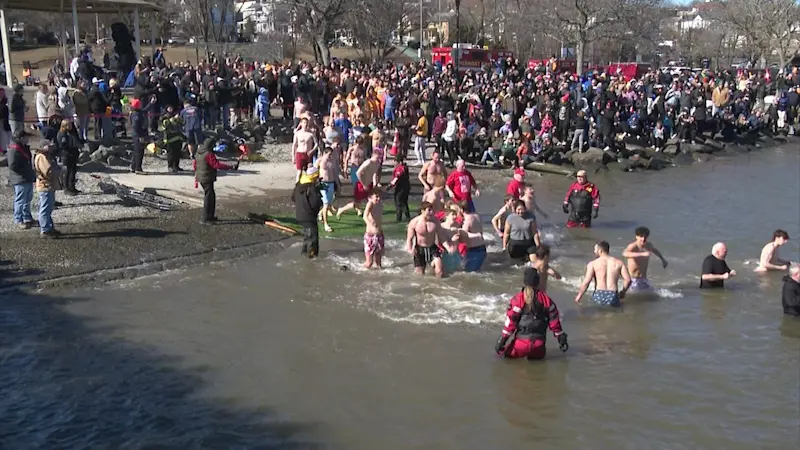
x: 244, y: 355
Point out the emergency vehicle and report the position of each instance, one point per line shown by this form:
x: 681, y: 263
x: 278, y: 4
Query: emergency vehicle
x: 469, y: 57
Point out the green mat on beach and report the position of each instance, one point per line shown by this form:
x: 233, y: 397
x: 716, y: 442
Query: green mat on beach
x: 349, y: 226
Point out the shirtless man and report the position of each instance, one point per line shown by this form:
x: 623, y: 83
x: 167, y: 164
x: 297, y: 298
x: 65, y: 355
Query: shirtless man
x: 433, y: 171
x: 769, y: 254
x: 499, y: 219
x: 424, y: 233
x: 529, y: 199
x: 367, y: 179
x: 436, y: 197
x: 638, y: 253
x: 605, y: 271
x: 328, y: 165
x: 476, y: 246
x: 540, y: 260
x: 303, y: 147
x: 373, y: 235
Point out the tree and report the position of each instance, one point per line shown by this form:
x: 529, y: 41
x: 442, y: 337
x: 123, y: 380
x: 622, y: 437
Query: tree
x: 579, y: 22
x: 768, y: 26
x: 374, y: 23
x: 208, y: 19
x: 319, y: 19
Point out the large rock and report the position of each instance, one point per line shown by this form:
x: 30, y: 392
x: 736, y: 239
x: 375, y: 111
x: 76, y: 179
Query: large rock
x: 655, y: 163
x: 84, y: 157
x: 3, y: 161
x: 115, y: 160
x: 591, y: 157
x: 121, y: 150
x: 93, y: 166
x: 683, y: 159
x: 100, y: 155
x: 700, y: 158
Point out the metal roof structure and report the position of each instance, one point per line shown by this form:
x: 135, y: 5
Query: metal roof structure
x: 82, y: 6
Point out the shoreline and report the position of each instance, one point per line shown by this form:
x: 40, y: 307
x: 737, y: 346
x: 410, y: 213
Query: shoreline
x: 27, y: 261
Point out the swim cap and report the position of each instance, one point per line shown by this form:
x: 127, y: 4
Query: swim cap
x: 531, y: 277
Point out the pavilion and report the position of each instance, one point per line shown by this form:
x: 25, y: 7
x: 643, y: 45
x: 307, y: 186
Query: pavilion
x: 77, y: 6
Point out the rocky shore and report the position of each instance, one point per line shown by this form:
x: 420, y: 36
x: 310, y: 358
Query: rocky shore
x: 634, y: 156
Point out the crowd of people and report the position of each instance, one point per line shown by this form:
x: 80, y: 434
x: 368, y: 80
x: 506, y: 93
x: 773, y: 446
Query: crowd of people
x: 351, y: 119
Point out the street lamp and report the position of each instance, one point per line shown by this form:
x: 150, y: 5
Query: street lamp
x: 458, y: 35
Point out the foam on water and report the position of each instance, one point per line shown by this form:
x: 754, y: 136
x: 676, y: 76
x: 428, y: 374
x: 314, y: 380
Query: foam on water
x: 659, y: 288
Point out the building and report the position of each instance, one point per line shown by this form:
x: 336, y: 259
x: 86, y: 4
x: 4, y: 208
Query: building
x: 268, y: 16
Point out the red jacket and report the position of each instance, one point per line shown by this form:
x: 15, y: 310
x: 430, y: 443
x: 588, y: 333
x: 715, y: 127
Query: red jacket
x: 517, y: 306
x: 514, y: 188
x: 590, y: 188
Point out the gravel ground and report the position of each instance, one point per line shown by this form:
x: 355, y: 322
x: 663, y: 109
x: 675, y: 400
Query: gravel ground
x: 91, y: 205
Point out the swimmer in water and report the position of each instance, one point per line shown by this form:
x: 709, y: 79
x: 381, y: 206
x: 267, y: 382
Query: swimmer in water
x: 373, y: 235
x: 529, y: 198
x: 499, y: 219
x: 540, y: 260
x: 769, y: 254
x: 638, y: 254
x: 605, y: 271
x: 424, y: 233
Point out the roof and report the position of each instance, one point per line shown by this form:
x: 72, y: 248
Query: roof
x: 83, y: 6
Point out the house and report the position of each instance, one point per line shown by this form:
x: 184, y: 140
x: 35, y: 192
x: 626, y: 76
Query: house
x: 268, y: 16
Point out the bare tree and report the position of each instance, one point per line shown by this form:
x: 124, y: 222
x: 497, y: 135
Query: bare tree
x: 579, y: 22
x: 768, y: 26
x: 319, y: 19
x: 374, y: 24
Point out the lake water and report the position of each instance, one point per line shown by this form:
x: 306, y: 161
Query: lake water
x: 280, y: 352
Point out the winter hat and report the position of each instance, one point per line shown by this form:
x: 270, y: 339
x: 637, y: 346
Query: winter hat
x: 530, y: 278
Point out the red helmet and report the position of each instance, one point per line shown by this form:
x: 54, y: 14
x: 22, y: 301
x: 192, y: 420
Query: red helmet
x: 136, y: 103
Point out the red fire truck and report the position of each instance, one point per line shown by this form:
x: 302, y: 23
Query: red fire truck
x: 562, y: 65
x: 469, y: 57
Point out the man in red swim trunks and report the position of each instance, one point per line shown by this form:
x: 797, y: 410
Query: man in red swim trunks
x: 582, y: 202
x: 303, y: 147
x: 530, y: 313
x: 367, y: 175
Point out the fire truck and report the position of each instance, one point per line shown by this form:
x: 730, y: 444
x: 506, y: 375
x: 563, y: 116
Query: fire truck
x: 469, y: 56
x: 561, y: 65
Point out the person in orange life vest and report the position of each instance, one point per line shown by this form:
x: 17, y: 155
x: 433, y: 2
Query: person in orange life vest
x: 516, y: 186
x: 530, y: 313
x: 582, y: 202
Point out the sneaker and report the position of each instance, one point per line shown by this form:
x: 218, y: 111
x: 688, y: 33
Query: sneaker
x: 51, y: 234
x: 24, y: 226
x: 140, y: 172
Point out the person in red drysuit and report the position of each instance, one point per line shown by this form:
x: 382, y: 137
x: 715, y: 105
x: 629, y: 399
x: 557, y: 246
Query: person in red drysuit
x: 582, y: 202
x: 530, y: 313
x: 517, y: 184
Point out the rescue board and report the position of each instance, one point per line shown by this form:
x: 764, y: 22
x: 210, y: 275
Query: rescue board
x: 549, y: 168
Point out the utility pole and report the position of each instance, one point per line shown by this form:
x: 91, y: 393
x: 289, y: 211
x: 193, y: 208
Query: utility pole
x: 96, y: 27
x: 421, y: 27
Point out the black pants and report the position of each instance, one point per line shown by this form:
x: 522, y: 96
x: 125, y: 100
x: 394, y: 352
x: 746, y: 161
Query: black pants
x: 98, y: 126
x: 209, y: 202
x: 450, y: 148
x: 70, y: 174
x: 310, y: 239
x: 520, y: 249
x: 174, y: 155
x: 401, y: 204
x: 138, y: 154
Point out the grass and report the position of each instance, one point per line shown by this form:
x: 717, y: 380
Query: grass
x: 349, y: 226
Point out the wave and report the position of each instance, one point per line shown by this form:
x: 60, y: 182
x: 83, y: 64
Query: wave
x: 659, y: 288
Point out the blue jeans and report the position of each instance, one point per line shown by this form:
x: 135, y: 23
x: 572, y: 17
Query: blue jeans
x: 46, y: 202
x: 23, y: 194
x: 474, y: 259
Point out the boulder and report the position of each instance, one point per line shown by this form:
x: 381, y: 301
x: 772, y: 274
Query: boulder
x: 93, y: 166
x: 121, y: 150
x: 100, y: 155
x: 714, y: 144
x: 92, y: 146
x: 700, y: 158
x: 3, y: 161
x: 591, y: 157
x: 683, y: 159
x: 84, y: 157
x: 671, y: 150
x: 656, y: 164
x: 115, y: 160
x: 557, y: 158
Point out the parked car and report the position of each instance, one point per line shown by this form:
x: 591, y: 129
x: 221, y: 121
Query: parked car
x: 175, y: 40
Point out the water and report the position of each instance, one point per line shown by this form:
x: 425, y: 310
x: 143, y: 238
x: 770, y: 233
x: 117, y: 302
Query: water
x: 246, y: 355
